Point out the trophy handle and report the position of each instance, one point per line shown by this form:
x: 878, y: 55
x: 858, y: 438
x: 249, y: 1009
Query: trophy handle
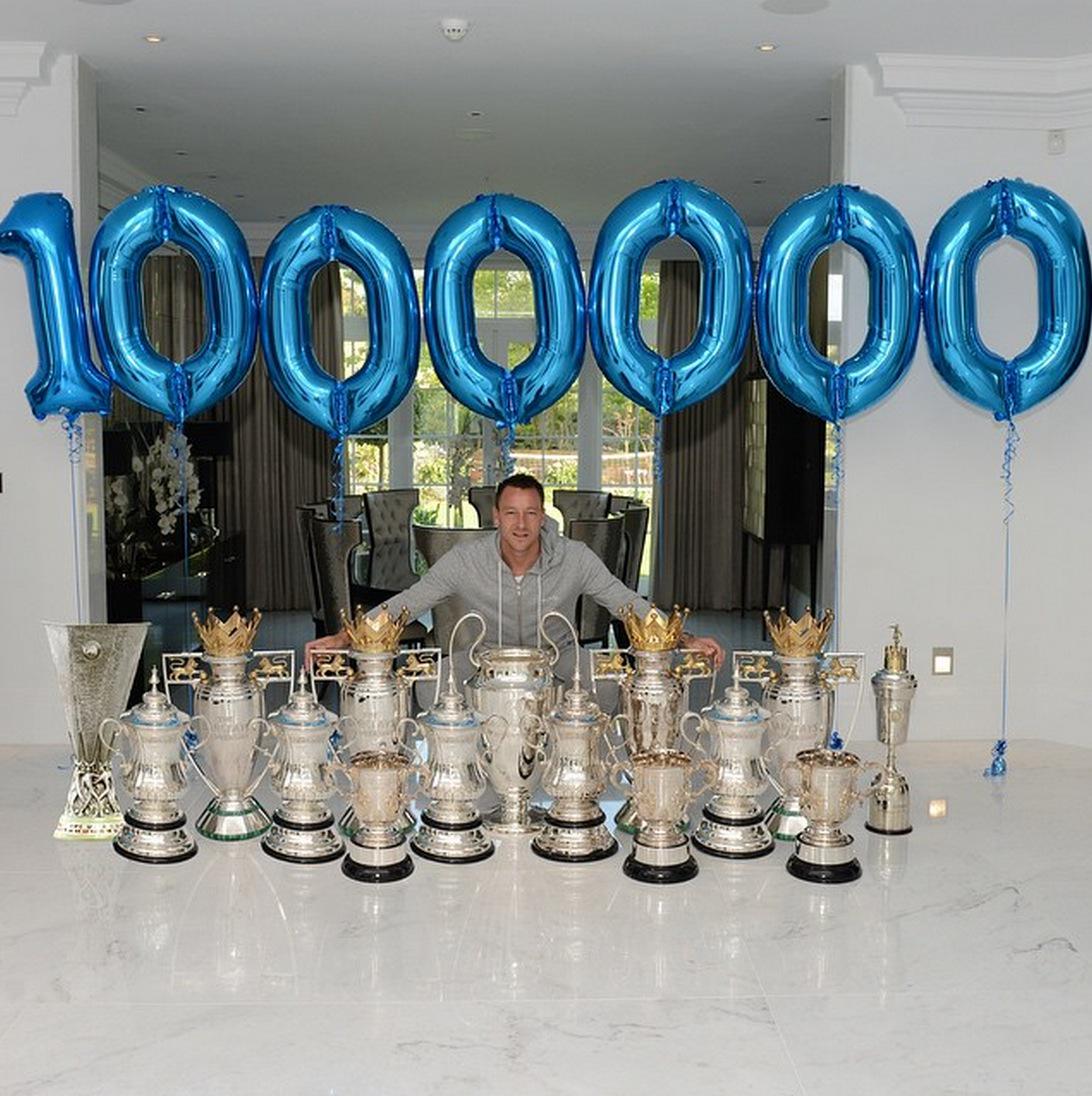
x: 776, y: 782
x: 695, y: 742
x: 191, y: 752
x: 414, y: 733
x: 792, y: 767
x: 112, y: 746
x: 617, y: 770
x: 267, y: 730
x: 871, y: 789
x: 616, y: 751
x: 533, y: 729
x: 711, y: 771
x: 485, y: 747
x: 338, y: 768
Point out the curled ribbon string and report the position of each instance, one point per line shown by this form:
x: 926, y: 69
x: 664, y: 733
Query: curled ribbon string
x: 837, y: 470
x: 507, y: 443
x: 337, y: 481
x: 74, y: 433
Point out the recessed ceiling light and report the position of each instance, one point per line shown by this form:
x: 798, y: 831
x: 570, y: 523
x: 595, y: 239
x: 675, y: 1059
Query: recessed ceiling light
x: 240, y: 195
x: 154, y: 39
x: 766, y: 47
x: 823, y: 118
x: 181, y: 152
x: 141, y: 110
x: 758, y: 182
x: 475, y: 113
x: 212, y: 176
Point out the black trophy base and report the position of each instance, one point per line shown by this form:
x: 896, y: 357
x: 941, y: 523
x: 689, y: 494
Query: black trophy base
x: 888, y: 833
x: 660, y: 873
x: 189, y: 854
x: 381, y: 873
x: 578, y: 858
x: 477, y: 858
x: 753, y: 854
x: 845, y: 872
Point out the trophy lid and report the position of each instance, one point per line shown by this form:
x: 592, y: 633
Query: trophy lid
x: 577, y: 706
x: 894, y: 654
x: 736, y: 706
x: 450, y: 710
x: 377, y: 632
x: 301, y: 708
x: 656, y: 631
x: 803, y: 638
x: 231, y: 638
x: 155, y: 708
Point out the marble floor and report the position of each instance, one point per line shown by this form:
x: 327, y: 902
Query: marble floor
x: 959, y: 963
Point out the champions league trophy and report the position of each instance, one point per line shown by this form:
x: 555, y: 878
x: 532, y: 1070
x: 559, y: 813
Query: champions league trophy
x: 451, y: 826
x: 228, y: 706
x: 575, y: 775
x: 153, y: 770
x: 732, y: 825
x: 652, y: 691
x: 511, y: 691
x: 302, y: 775
x: 96, y: 665
x: 799, y: 697
x: 826, y: 783
x: 894, y: 686
x: 376, y: 686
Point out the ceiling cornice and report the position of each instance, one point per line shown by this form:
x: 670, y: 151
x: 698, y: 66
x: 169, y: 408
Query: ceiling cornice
x: 990, y: 92
x: 23, y: 65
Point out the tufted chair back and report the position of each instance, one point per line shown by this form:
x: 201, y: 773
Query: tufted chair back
x: 604, y: 537
x: 481, y: 498
x: 333, y: 547
x: 433, y: 541
x: 581, y: 505
x: 388, y: 515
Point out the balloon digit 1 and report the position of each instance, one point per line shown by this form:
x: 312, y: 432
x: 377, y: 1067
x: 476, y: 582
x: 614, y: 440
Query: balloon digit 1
x: 38, y: 231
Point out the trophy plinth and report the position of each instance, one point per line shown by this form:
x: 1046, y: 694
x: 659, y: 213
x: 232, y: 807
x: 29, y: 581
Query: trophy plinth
x: 232, y: 818
x: 155, y: 843
x: 652, y: 864
x: 894, y: 687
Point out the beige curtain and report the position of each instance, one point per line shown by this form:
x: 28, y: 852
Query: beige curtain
x: 698, y: 562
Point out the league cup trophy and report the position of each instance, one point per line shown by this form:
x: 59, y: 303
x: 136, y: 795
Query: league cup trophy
x: 451, y: 825
x: 826, y: 783
x: 228, y: 710
x: 894, y: 685
x: 652, y: 692
x: 511, y: 691
x: 575, y: 775
x: 801, y: 691
x: 153, y: 770
x: 662, y: 793
x: 96, y: 665
x: 380, y: 795
x: 376, y: 686
x: 732, y: 825
x: 302, y: 775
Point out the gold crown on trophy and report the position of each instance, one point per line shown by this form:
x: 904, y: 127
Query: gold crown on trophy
x: 379, y: 634
x: 803, y: 638
x: 228, y: 638
x: 656, y: 631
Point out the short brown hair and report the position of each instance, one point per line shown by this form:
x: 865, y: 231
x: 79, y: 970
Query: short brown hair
x: 523, y: 482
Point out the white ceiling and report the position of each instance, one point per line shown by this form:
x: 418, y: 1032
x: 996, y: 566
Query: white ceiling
x: 294, y: 102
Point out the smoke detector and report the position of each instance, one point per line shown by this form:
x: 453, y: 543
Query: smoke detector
x: 454, y: 29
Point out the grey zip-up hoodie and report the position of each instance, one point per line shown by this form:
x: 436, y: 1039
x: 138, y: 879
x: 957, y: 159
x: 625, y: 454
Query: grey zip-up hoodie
x: 477, y: 578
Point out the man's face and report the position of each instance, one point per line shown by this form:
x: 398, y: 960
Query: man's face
x: 519, y: 517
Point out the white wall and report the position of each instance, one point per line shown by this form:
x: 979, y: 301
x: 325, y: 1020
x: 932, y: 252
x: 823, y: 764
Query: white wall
x: 921, y: 536
x: 48, y: 532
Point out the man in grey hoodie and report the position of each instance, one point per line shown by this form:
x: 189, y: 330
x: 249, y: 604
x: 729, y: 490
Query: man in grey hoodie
x: 515, y: 574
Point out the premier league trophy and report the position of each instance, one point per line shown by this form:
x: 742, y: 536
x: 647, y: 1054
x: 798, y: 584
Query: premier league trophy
x: 826, y: 783
x: 894, y: 686
x: 511, y: 691
x: 732, y: 825
x: 153, y: 770
x: 302, y: 775
x: 575, y: 776
x: 228, y: 706
x: 662, y: 793
x: 96, y: 665
x: 799, y: 697
x: 653, y: 690
x: 451, y: 825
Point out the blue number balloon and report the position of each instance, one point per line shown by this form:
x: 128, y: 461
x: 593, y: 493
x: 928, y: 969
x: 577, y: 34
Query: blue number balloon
x: 130, y: 232
x: 38, y: 232
x: 320, y: 236
x: 490, y: 223
x: 714, y: 230
x: 1049, y: 227
x: 878, y: 231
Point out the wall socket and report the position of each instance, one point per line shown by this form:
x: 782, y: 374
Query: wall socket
x: 944, y: 660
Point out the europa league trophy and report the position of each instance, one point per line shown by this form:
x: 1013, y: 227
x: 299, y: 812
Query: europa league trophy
x: 826, y: 783
x: 575, y: 776
x: 894, y: 685
x: 799, y: 697
x: 153, y: 770
x: 96, y: 665
x: 652, y: 693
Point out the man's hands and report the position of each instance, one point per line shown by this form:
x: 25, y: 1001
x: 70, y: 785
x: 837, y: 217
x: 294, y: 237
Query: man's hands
x: 707, y: 645
x: 336, y: 643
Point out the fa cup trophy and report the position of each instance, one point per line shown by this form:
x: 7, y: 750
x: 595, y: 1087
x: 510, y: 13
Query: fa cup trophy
x: 799, y: 696
x: 228, y: 706
x: 575, y: 776
x: 302, y: 775
x: 96, y: 665
x: 153, y: 770
x: 894, y: 685
x: 652, y: 693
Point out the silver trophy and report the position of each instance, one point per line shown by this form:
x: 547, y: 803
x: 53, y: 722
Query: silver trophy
x: 380, y: 794
x: 894, y: 686
x: 376, y: 686
x: 826, y: 782
x: 511, y: 691
x: 662, y: 793
x: 653, y: 690
x: 450, y: 831
x: 153, y: 770
x: 228, y: 711
x: 799, y: 692
x: 302, y: 775
x: 96, y: 665
x: 732, y: 825
x: 575, y: 775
